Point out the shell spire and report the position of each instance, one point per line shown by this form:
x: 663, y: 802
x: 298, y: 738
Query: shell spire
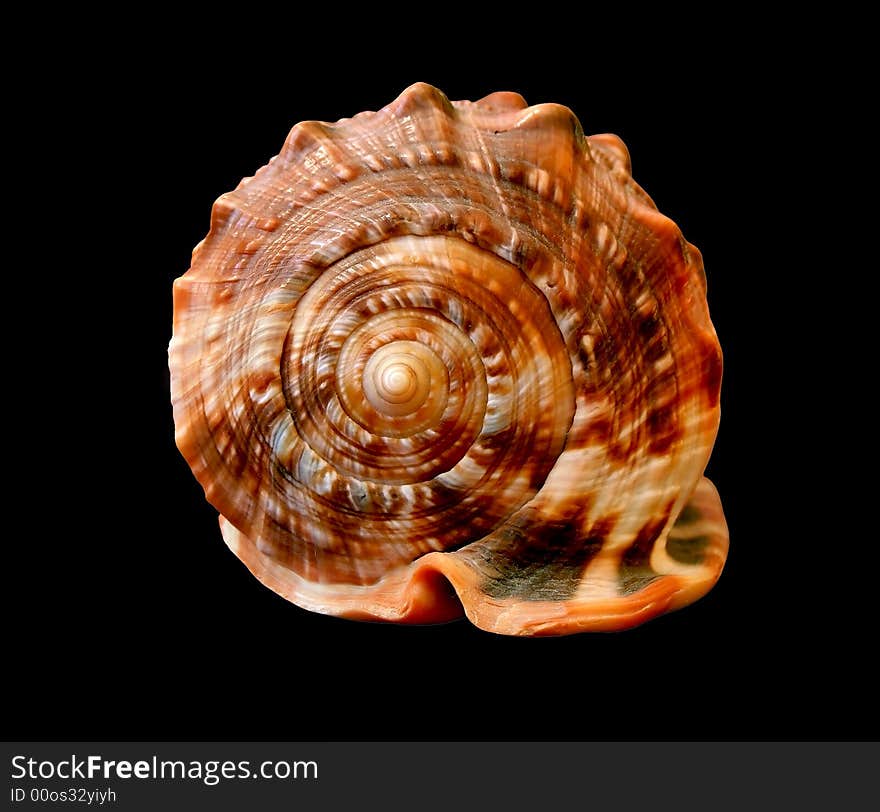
x: 448, y: 357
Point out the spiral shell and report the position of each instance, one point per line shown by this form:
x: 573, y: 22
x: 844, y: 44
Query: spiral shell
x: 448, y: 357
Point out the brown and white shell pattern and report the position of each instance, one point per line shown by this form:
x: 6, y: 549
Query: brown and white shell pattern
x: 449, y: 358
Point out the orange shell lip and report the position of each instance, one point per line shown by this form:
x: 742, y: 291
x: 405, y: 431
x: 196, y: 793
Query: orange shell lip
x: 441, y: 587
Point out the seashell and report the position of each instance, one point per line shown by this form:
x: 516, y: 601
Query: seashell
x: 449, y: 358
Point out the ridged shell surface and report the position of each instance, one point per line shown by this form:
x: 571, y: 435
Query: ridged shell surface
x: 449, y: 358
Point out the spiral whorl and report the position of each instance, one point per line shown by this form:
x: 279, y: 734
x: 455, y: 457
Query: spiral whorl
x: 449, y: 356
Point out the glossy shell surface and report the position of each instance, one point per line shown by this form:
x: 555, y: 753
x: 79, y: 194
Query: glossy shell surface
x: 449, y: 358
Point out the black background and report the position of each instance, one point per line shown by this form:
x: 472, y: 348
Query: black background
x: 129, y: 616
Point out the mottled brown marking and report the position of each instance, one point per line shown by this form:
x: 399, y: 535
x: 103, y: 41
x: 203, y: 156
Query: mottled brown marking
x: 638, y: 554
x: 649, y: 326
x: 712, y: 370
x: 593, y: 432
x: 537, y: 561
x: 499, y: 440
x: 656, y: 350
x: 584, y: 355
x: 663, y: 426
x: 603, y: 527
x: 524, y: 255
x: 444, y: 495
x: 512, y: 171
x: 635, y: 564
x: 496, y: 366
